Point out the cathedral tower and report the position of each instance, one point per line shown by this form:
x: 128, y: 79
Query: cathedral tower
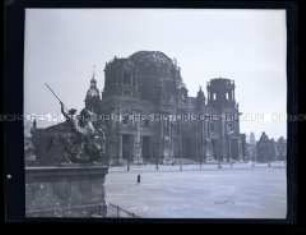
x: 224, y: 125
x: 92, y: 99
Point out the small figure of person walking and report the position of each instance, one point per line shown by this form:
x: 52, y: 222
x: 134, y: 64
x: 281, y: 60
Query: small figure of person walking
x: 138, y: 179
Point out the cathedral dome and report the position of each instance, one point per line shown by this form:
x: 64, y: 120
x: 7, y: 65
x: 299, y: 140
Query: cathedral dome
x: 93, y: 92
x: 157, y: 75
x: 151, y: 75
x: 151, y: 58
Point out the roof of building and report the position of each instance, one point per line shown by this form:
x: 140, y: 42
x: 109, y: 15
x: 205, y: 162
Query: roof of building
x: 151, y: 57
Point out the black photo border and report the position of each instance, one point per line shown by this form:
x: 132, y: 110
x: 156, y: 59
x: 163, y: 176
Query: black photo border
x: 12, y: 103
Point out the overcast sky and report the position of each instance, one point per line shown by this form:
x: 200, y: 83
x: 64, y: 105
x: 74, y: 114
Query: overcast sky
x: 249, y: 46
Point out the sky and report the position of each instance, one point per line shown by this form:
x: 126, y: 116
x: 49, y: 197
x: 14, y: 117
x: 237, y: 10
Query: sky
x: 62, y: 47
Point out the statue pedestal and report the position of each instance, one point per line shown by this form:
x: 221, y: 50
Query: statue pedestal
x: 137, y: 159
x: 167, y: 158
x: 65, y: 191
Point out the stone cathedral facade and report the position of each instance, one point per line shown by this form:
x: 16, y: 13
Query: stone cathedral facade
x: 150, y: 117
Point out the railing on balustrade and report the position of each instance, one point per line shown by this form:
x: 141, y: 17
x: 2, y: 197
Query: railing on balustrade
x: 116, y: 211
x: 88, y: 210
x: 211, y: 166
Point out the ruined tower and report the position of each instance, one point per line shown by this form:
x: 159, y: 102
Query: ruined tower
x: 224, y: 127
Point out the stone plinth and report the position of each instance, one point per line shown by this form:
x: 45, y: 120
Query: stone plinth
x: 65, y: 191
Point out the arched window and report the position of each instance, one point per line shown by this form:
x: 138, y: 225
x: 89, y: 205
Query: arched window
x: 214, y: 96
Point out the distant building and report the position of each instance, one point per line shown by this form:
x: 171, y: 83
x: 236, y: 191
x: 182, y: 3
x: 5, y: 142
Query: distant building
x: 150, y: 117
x: 273, y: 150
x: 252, y: 139
x: 265, y: 149
x: 281, y: 149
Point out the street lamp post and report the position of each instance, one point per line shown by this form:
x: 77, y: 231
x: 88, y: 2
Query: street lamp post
x: 128, y: 165
x: 229, y: 132
x: 229, y: 149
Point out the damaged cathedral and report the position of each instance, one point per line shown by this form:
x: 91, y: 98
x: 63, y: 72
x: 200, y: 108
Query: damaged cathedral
x: 149, y: 117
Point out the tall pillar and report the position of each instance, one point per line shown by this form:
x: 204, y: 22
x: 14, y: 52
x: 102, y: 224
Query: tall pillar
x: 209, y: 150
x: 202, y: 142
x: 137, y: 145
x: 120, y: 157
x: 171, y: 140
x: 230, y: 148
x: 223, y: 139
x: 162, y: 139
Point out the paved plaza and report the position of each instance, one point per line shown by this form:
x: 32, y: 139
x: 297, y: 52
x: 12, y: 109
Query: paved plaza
x: 242, y: 191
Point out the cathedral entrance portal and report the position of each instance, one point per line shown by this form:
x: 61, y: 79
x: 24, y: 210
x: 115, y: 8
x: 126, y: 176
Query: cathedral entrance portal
x: 127, y: 147
x: 234, y: 149
x: 146, y: 148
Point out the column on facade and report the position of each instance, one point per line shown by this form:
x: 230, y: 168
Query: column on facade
x: 222, y: 137
x: 195, y: 129
x: 137, y: 145
x: 162, y: 137
x: 165, y: 139
x: 120, y: 157
x: 171, y: 139
x: 199, y: 140
x: 230, y: 148
x: 207, y: 139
